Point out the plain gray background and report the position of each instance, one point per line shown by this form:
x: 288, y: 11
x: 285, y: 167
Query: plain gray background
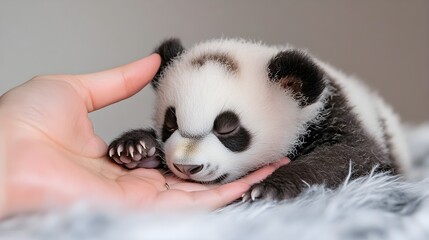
x: 385, y: 43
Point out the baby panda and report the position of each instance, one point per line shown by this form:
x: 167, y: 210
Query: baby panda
x: 227, y: 107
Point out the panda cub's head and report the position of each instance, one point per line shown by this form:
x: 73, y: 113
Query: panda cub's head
x: 227, y: 107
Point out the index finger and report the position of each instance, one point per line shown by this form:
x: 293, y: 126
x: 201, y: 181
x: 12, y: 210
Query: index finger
x: 263, y: 172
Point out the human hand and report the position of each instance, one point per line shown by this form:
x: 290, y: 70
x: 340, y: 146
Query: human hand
x: 52, y: 155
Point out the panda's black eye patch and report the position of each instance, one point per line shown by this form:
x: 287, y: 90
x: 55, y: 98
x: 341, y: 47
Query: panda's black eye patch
x: 226, y: 123
x: 230, y: 133
x: 170, y: 123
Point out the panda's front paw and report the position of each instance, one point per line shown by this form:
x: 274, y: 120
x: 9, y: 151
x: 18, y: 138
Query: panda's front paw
x: 137, y: 148
x: 267, y: 190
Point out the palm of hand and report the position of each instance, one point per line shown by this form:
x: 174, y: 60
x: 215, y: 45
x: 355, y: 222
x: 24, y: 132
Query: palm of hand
x: 56, y: 155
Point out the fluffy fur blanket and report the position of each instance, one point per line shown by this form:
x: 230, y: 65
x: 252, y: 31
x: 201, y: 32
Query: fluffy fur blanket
x: 374, y: 207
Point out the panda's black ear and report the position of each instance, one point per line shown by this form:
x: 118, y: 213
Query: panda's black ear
x: 296, y: 72
x: 168, y: 50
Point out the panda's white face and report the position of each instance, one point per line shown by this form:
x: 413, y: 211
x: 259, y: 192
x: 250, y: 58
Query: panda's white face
x: 220, y: 117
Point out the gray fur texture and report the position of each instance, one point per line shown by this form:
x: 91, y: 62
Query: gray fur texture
x: 374, y: 207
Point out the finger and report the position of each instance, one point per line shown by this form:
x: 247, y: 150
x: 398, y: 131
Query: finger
x: 205, y: 199
x: 263, y: 172
x: 281, y: 162
x: 107, y: 87
x: 190, y: 186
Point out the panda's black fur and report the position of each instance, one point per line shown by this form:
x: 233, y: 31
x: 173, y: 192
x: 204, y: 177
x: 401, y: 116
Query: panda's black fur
x: 328, y: 131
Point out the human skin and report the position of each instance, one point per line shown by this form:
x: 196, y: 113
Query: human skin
x: 50, y: 155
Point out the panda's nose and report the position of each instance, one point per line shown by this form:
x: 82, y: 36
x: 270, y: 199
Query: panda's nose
x: 188, y: 169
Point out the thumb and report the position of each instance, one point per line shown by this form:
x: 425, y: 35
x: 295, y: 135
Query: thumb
x: 104, y: 88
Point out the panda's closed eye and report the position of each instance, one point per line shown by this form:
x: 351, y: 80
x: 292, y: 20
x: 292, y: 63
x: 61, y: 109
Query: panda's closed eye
x: 170, y: 120
x: 226, y: 123
x: 170, y: 123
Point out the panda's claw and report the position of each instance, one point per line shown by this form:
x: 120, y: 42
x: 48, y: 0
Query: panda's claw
x: 267, y: 190
x: 245, y: 197
x: 139, y: 148
x: 131, y: 151
x: 252, y: 195
x: 120, y: 149
x: 111, y: 152
x: 255, y: 194
x: 143, y: 144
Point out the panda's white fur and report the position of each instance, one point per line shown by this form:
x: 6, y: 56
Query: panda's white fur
x: 275, y: 120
